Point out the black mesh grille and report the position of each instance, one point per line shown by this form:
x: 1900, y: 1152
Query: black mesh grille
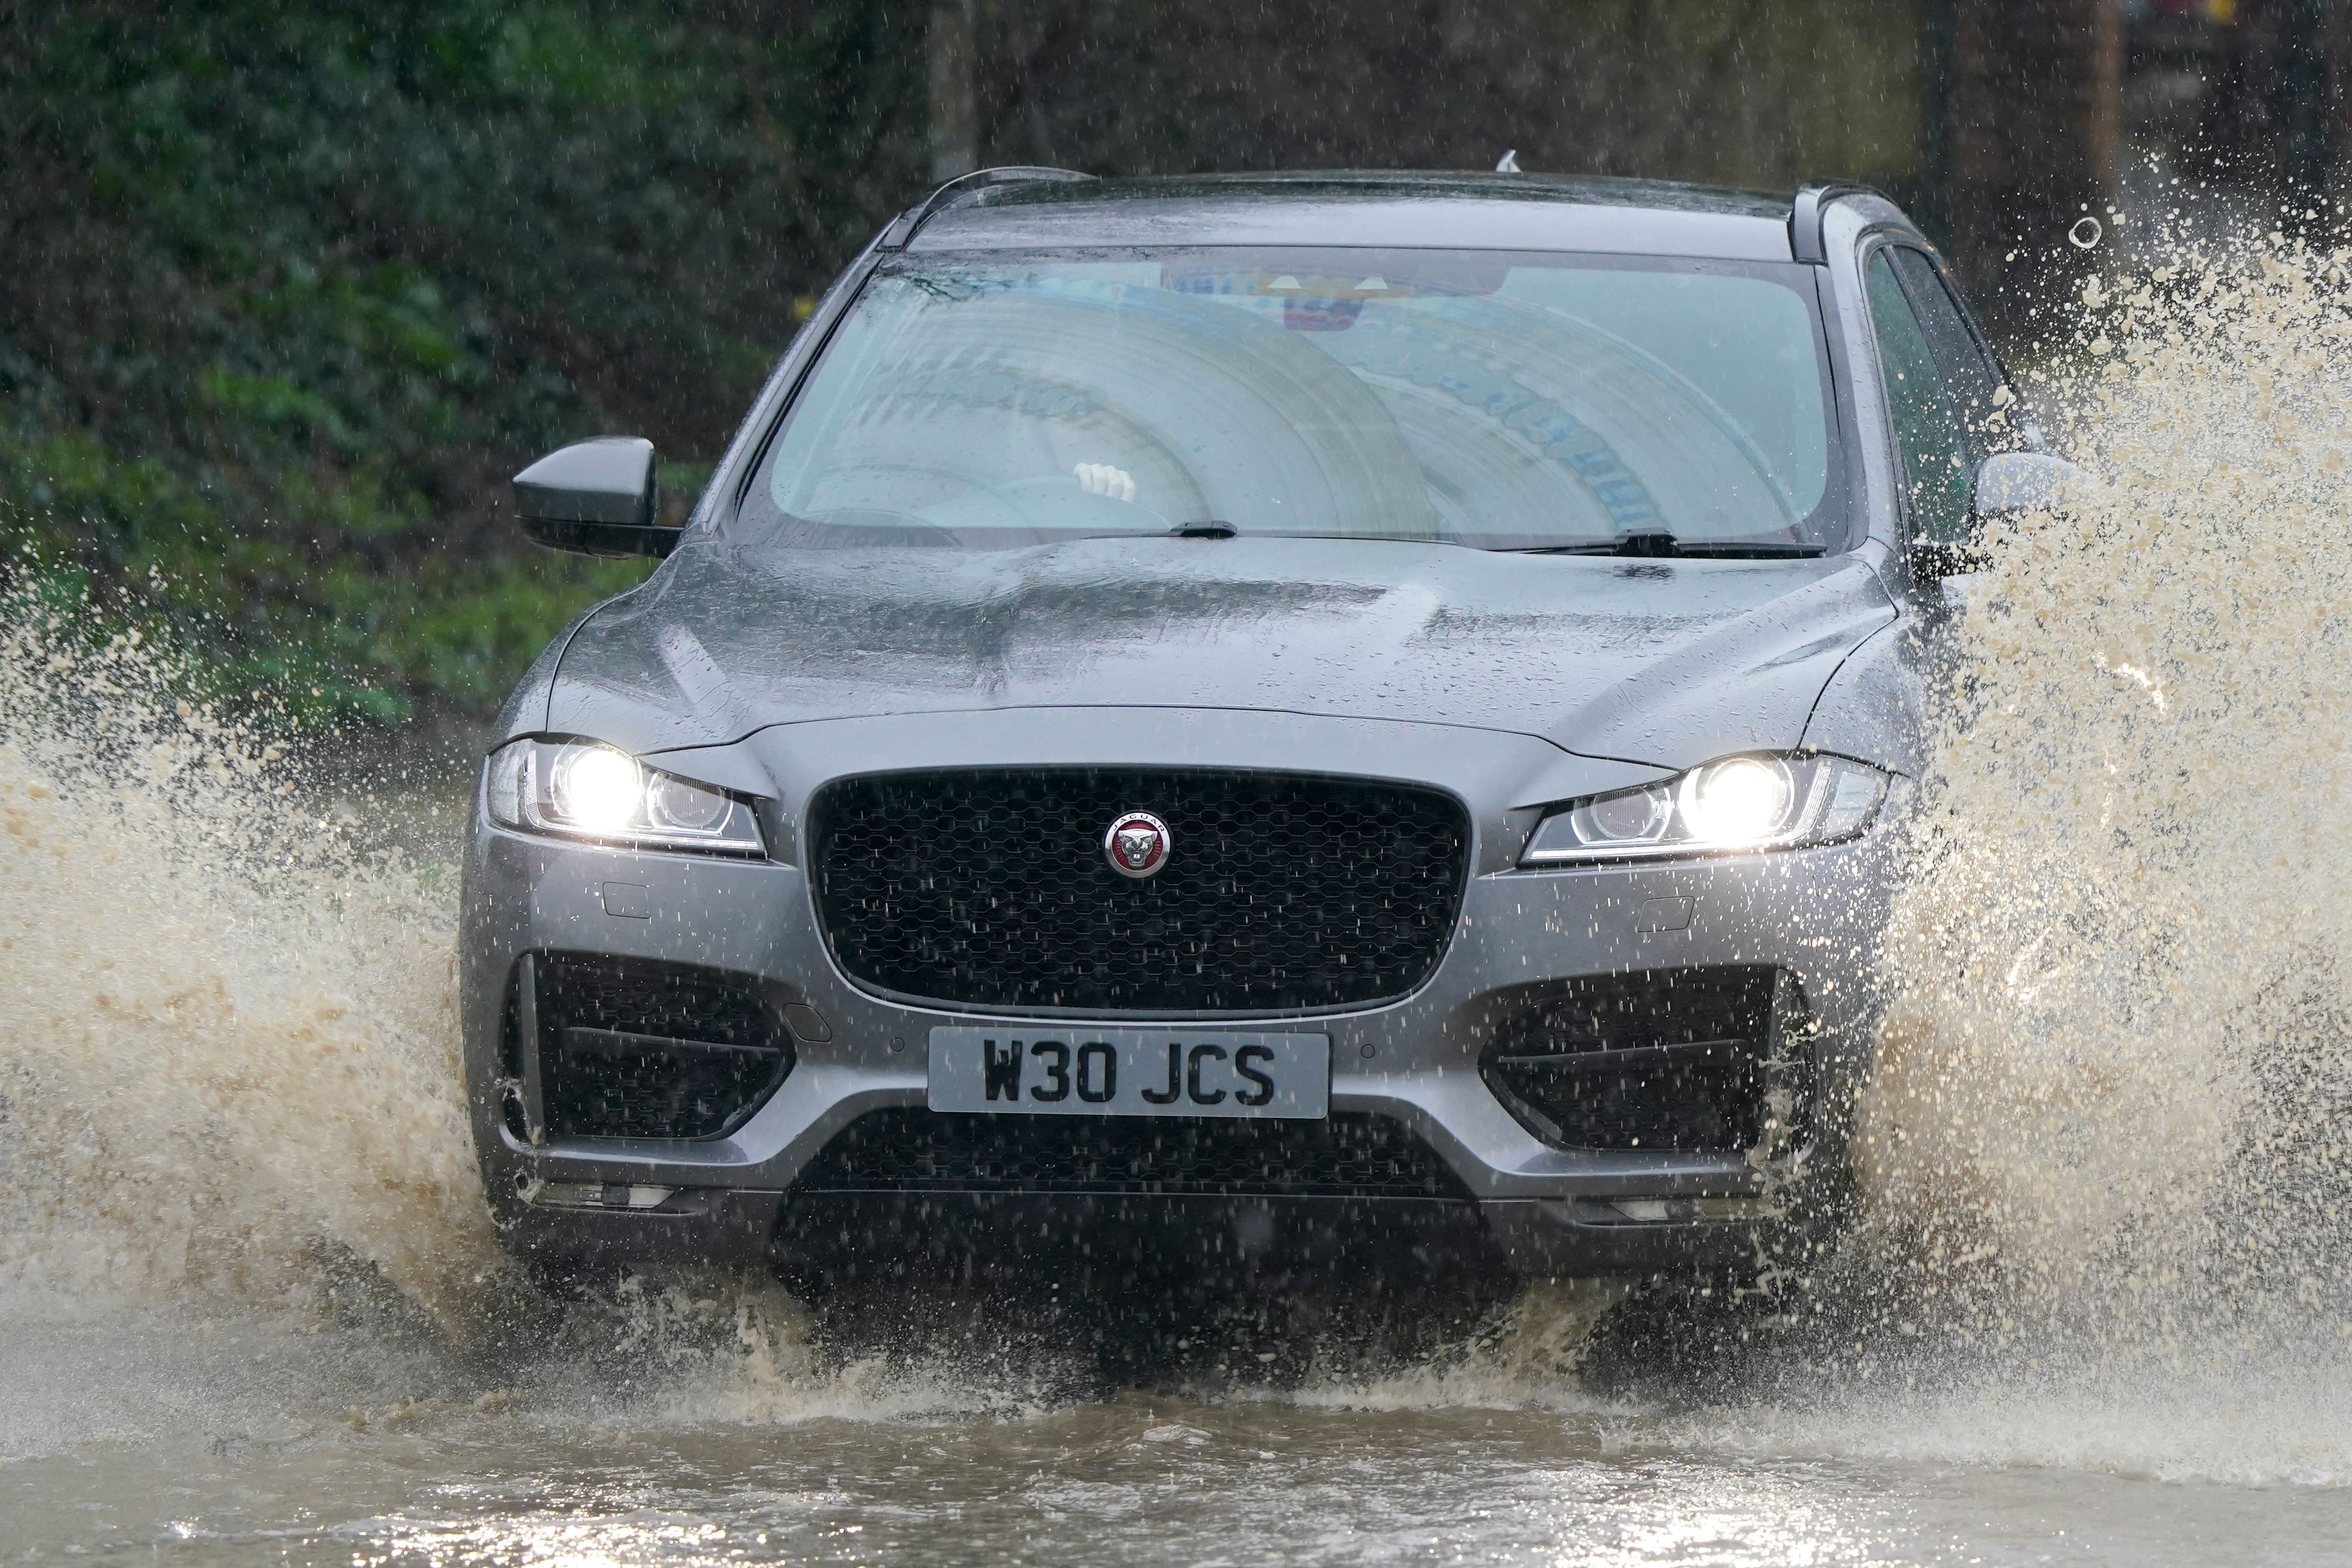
x: 636, y: 1048
x: 914, y: 1149
x: 990, y: 889
x: 1660, y: 1059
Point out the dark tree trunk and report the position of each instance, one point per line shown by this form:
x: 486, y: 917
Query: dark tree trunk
x: 2033, y: 126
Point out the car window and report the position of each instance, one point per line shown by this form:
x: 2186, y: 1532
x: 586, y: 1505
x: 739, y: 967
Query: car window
x: 1968, y: 371
x: 1931, y: 432
x: 1498, y: 399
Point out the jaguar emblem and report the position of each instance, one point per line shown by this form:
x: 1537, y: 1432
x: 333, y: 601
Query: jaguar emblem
x: 1136, y: 845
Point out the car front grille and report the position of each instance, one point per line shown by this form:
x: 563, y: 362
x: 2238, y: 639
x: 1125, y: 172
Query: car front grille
x: 909, y: 1149
x: 1697, y: 1060
x: 633, y: 1047
x: 989, y: 888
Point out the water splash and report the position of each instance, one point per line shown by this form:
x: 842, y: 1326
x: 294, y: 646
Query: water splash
x: 2113, y: 1082
x: 227, y: 1040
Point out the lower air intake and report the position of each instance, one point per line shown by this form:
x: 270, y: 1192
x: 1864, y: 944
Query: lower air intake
x: 1697, y: 1061
x: 912, y: 1150
x: 632, y: 1048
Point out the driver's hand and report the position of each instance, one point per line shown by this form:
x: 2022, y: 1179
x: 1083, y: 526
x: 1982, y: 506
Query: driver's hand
x: 1102, y: 479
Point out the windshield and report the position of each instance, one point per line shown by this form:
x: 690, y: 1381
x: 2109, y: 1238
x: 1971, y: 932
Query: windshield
x: 1501, y: 400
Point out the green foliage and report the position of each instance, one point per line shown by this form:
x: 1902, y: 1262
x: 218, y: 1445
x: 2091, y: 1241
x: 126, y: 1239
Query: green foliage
x: 287, y: 290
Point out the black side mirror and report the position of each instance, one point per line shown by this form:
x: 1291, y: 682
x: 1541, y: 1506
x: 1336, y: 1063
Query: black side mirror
x: 2005, y: 482
x: 596, y: 497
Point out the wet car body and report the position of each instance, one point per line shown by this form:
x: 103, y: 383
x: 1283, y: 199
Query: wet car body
x: 1554, y: 1068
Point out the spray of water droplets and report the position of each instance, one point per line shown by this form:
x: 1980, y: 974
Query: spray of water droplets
x: 2113, y: 1092
x: 227, y: 1041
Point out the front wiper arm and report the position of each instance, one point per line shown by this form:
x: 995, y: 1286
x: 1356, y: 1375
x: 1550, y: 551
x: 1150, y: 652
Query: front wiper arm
x: 1207, y: 528
x: 1218, y: 528
x: 1658, y: 544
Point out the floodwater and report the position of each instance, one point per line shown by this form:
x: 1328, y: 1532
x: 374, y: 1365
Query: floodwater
x: 160, y: 1433
x: 2096, y: 1307
x: 237, y: 1446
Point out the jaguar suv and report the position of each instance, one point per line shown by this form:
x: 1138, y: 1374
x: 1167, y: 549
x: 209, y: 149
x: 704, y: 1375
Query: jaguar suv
x: 1246, y: 721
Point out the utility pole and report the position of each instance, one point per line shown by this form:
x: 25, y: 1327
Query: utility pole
x: 951, y: 55
x: 1933, y: 205
x: 2034, y: 132
x: 2307, y: 94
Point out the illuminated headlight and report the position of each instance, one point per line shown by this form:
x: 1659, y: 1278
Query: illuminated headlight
x: 586, y: 790
x: 1741, y: 803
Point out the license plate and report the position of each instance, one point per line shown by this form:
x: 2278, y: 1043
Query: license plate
x: 1044, y: 1071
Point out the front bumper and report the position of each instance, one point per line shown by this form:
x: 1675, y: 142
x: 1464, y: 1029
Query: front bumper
x: 1816, y: 915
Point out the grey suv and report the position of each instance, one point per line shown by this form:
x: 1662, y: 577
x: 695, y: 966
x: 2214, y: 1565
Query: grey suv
x: 1246, y: 721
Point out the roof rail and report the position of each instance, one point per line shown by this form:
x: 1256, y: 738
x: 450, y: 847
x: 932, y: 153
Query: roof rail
x: 902, y: 228
x: 1806, y: 215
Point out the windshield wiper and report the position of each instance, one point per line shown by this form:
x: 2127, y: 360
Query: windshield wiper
x: 1658, y: 544
x: 1207, y: 528
x: 1217, y: 528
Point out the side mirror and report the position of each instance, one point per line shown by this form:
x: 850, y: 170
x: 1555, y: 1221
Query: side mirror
x: 2022, y: 482
x: 2005, y: 482
x: 596, y: 497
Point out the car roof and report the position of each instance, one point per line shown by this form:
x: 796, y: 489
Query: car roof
x: 1043, y: 209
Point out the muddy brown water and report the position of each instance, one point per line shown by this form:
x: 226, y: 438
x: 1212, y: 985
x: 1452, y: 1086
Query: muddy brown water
x: 164, y: 1435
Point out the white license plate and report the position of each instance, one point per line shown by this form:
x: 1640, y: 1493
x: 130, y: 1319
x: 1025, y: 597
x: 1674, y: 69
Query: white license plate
x: 1044, y: 1070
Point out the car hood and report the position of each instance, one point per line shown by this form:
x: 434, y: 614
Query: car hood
x: 1658, y: 662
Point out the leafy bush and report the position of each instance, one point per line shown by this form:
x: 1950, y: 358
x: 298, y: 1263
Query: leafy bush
x: 286, y: 291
